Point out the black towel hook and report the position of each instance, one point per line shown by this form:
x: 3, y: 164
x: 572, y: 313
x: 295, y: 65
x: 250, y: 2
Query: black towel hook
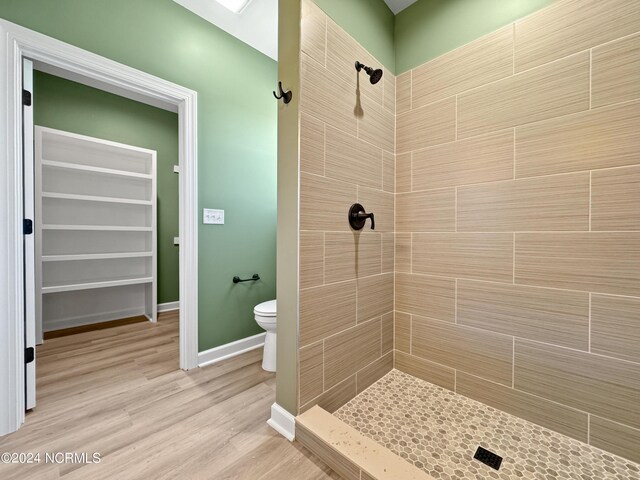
x: 285, y: 96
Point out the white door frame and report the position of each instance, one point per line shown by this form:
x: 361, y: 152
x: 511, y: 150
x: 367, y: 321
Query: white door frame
x: 81, y: 66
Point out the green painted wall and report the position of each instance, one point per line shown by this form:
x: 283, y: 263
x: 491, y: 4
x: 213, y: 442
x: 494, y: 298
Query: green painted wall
x: 429, y: 28
x: 370, y: 22
x: 236, y: 134
x: 76, y: 108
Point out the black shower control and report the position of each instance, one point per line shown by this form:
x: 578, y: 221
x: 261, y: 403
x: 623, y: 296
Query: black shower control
x: 358, y: 217
x: 488, y: 458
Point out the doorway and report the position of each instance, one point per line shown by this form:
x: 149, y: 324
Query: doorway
x: 63, y: 60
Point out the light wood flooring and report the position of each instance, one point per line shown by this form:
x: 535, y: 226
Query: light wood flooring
x: 119, y: 392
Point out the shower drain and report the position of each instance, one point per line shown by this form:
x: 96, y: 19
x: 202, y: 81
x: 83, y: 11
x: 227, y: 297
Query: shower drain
x: 488, y: 458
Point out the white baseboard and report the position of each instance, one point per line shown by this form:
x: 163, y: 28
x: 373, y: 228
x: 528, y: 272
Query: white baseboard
x: 167, y: 307
x: 217, y: 354
x: 282, y: 422
x: 82, y: 320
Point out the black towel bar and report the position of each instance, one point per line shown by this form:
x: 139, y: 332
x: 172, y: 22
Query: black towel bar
x: 252, y: 279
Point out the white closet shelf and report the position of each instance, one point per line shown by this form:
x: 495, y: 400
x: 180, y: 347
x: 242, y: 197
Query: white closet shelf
x: 97, y: 228
x: 91, y: 198
x: 102, y: 284
x: 95, y: 256
x: 97, y: 224
x: 98, y: 170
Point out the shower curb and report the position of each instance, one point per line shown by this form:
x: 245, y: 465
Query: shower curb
x: 348, y: 452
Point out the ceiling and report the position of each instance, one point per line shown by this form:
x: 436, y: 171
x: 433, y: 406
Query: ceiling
x: 397, y: 6
x: 257, y: 25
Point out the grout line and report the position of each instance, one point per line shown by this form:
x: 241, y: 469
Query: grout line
x: 513, y: 364
x: 564, y: 347
x: 324, y: 256
x: 513, y: 260
x: 590, y: 78
x: 468, y: 279
x: 614, y: 294
x: 494, y: 232
x: 590, y: 194
x: 581, y: 112
x: 625, y: 37
x: 616, y: 422
x: 348, y: 328
x: 521, y: 72
x: 529, y: 394
x: 489, y: 182
x: 382, y: 272
x: 380, y: 346
x: 513, y: 175
x: 589, y: 346
x: 484, y: 329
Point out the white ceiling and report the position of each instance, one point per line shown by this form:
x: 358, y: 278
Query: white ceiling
x: 397, y: 6
x: 257, y: 25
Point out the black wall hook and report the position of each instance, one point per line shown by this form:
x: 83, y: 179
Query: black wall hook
x: 285, y: 96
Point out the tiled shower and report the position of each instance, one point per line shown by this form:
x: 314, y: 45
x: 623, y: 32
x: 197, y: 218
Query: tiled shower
x: 505, y: 181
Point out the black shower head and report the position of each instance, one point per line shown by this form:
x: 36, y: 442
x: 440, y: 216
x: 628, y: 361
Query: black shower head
x: 374, y: 75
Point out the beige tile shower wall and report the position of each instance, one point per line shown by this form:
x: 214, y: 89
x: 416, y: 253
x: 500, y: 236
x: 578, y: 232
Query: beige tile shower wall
x: 517, y: 248
x: 347, y: 155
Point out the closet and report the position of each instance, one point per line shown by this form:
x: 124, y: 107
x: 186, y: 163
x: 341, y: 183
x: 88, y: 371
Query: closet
x: 95, y: 230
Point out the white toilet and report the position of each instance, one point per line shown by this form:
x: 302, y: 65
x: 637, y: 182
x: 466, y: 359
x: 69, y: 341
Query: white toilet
x: 265, y: 315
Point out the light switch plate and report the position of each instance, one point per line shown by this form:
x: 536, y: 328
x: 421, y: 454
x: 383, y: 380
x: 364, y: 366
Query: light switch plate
x: 176, y: 240
x: 211, y: 216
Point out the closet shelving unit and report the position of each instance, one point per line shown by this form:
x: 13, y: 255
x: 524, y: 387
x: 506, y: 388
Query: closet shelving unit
x: 96, y: 257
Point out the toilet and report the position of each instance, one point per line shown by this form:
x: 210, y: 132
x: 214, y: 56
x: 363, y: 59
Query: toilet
x: 265, y: 315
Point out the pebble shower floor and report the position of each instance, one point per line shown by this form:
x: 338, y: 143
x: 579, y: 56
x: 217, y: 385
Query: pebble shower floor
x: 439, y: 431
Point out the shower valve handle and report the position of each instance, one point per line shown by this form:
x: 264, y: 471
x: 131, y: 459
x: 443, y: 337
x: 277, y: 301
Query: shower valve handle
x: 364, y: 216
x: 358, y: 217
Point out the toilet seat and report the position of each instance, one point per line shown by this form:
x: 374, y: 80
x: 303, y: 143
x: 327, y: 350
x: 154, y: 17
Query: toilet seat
x: 265, y: 309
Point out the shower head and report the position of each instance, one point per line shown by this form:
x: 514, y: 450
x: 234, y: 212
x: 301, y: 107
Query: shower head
x: 374, y: 75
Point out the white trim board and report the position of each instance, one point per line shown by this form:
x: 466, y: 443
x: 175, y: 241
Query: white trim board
x: 282, y: 422
x: 229, y: 350
x: 168, y: 307
x: 73, y: 63
x: 82, y: 320
x: 105, y: 317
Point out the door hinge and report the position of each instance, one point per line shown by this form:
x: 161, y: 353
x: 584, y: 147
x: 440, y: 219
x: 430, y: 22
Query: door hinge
x: 27, y: 226
x: 29, y: 354
x: 26, y: 98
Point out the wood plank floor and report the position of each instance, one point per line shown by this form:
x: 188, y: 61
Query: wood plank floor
x: 119, y: 392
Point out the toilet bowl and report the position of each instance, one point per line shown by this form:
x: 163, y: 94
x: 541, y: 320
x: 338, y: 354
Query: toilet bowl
x: 265, y: 315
